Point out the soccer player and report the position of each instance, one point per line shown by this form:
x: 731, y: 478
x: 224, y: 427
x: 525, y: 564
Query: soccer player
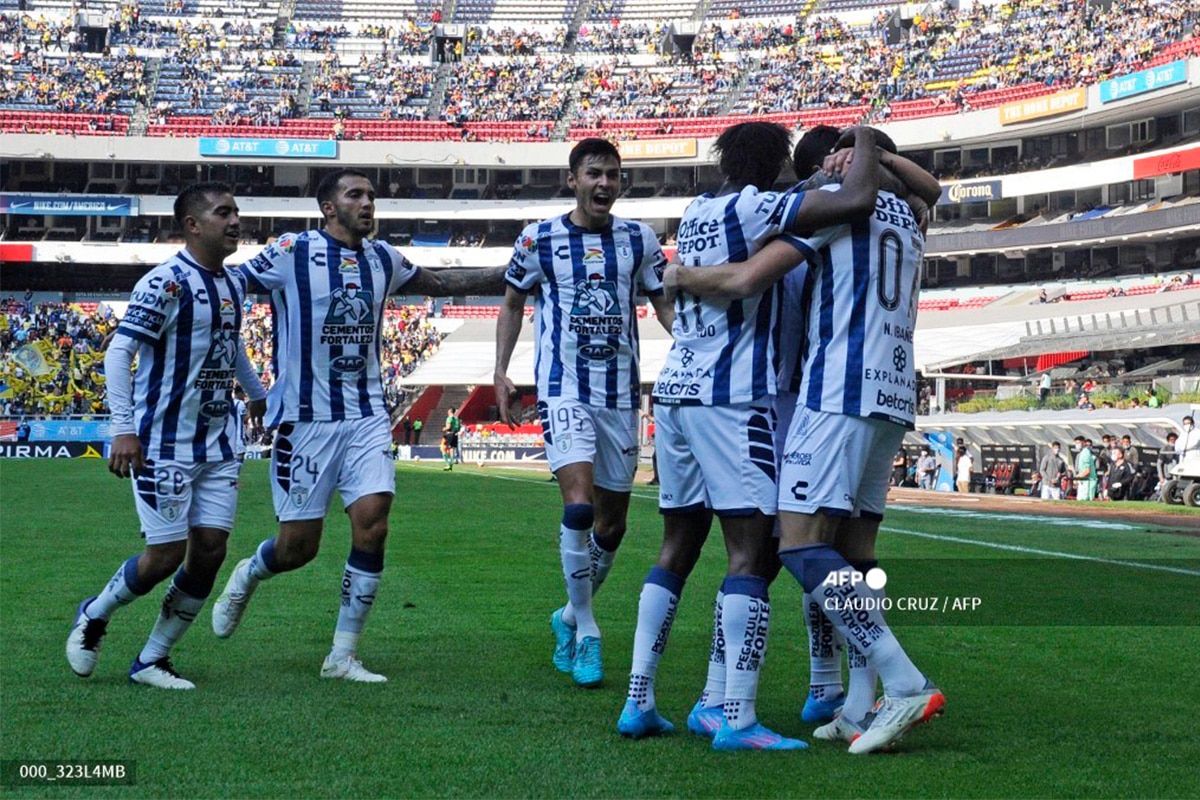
x: 856, y: 400
x: 713, y: 408
x: 332, y: 428
x: 174, y: 433
x: 586, y: 267
x: 239, y: 423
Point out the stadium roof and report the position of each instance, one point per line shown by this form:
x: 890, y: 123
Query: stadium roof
x: 1018, y: 325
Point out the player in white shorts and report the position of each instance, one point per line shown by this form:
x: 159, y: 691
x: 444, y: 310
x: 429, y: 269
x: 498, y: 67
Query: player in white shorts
x: 715, y: 432
x: 328, y: 289
x: 585, y: 267
x: 577, y: 433
x: 174, y: 433
x: 856, y: 398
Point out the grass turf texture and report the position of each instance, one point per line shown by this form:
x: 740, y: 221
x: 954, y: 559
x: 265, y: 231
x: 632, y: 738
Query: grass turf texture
x: 474, y: 708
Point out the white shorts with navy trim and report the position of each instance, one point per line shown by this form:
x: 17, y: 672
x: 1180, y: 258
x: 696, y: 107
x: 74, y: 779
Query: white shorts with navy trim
x: 575, y: 432
x: 718, y: 457
x: 837, y: 464
x: 172, y: 498
x: 311, y: 459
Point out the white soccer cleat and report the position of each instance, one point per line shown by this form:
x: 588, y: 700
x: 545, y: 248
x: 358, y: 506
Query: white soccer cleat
x: 84, y: 640
x: 227, y: 611
x: 896, y: 716
x: 842, y: 730
x: 159, y: 674
x: 350, y: 669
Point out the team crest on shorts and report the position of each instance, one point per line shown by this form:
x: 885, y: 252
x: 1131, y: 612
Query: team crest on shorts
x: 299, y: 495
x: 169, y: 509
x: 801, y: 424
x: 564, y: 443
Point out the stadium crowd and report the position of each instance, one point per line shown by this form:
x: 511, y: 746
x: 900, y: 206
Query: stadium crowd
x: 518, y: 89
x: 947, y: 57
x: 51, y: 354
x: 51, y: 358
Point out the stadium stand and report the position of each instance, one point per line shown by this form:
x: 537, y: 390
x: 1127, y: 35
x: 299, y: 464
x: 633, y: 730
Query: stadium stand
x: 810, y: 69
x: 60, y: 370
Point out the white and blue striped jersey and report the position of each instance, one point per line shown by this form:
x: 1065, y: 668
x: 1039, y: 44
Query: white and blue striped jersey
x: 187, y: 322
x: 796, y: 288
x: 585, y: 309
x: 863, y: 308
x: 724, y: 351
x: 327, y: 304
x: 239, y: 426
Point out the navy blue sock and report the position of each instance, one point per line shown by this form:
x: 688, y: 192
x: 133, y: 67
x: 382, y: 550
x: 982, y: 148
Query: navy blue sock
x: 811, y: 564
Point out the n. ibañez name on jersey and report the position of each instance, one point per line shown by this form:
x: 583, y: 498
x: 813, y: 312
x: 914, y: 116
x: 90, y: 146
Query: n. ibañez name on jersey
x: 897, y: 331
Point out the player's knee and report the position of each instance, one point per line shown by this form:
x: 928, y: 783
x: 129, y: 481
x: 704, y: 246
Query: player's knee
x: 578, y: 516
x: 207, y: 553
x: 160, y: 561
x: 296, y: 552
x: 679, y: 556
x: 371, y: 538
x: 609, y: 533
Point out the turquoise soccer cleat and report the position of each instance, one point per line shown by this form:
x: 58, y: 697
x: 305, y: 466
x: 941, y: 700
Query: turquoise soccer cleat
x: 588, y: 668
x: 705, y: 721
x: 756, y: 737
x: 642, y: 724
x: 564, y: 642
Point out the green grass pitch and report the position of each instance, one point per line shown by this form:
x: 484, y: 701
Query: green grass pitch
x: 1077, y: 677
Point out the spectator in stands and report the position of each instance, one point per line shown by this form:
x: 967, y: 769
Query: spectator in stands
x: 1044, y: 388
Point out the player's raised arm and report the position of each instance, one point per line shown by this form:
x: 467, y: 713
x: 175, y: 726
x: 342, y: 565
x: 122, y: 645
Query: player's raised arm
x: 455, y: 282
x: 856, y: 199
x: 508, y: 329
x: 737, y: 280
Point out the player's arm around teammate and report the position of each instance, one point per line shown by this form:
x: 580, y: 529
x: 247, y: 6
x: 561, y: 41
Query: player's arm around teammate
x: 327, y: 406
